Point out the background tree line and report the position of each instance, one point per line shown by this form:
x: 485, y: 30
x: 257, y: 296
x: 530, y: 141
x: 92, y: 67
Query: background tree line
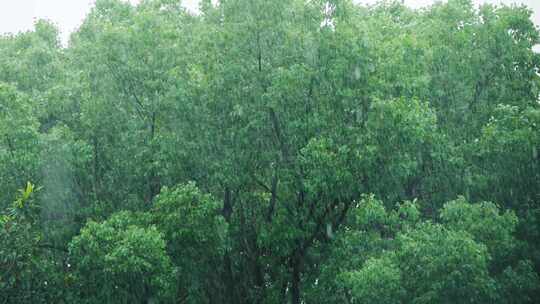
x: 283, y: 151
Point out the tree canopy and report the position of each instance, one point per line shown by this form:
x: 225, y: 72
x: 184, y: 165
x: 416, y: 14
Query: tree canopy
x: 284, y: 151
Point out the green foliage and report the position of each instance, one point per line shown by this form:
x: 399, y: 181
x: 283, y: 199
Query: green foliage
x: 443, y: 266
x: 520, y: 284
x: 371, y: 215
x: 31, y: 60
x: 196, y: 237
x: 508, y: 148
x: 28, y: 272
x: 19, y: 149
x: 485, y: 223
x: 379, y: 281
x: 403, y: 150
x: 117, y: 260
x: 285, y: 151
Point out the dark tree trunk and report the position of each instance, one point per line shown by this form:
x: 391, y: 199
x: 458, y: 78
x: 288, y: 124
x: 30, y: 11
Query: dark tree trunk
x: 295, y: 280
x: 228, y: 275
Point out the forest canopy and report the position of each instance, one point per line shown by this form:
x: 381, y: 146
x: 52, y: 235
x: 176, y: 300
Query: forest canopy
x: 284, y: 151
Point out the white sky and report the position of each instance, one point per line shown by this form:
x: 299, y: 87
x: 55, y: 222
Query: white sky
x: 19, y: 15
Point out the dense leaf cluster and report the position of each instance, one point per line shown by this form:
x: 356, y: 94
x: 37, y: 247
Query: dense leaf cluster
x: 283, y: 151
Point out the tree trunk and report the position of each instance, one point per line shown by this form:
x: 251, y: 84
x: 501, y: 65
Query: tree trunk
x: 295, y: 280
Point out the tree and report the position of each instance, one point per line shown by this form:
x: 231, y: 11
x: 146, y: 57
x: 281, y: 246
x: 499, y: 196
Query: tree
x: 443, y: 266
x: 196, y: 234
x: 274, y: 152
x: 20, y: 146
x: 379, y: 281
x: 29, y: 267
x: 118, y: 261
x: 486, y: 224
